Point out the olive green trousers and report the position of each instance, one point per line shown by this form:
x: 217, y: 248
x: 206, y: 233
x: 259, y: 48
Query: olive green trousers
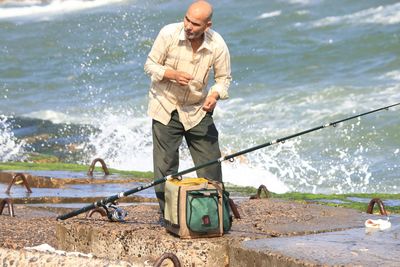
x: 202, y: 141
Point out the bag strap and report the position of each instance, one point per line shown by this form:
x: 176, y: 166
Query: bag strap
x: 221, y: 190
x: 234, y: 209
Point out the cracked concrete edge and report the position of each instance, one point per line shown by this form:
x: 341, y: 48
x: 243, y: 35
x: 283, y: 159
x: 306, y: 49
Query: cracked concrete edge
x: 16, y: 258
x: 240, y: 256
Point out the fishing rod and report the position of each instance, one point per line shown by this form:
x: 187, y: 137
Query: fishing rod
x: 113, y: 198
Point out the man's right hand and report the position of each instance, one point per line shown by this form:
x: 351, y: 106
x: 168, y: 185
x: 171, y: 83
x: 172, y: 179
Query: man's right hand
x: 181, y: 77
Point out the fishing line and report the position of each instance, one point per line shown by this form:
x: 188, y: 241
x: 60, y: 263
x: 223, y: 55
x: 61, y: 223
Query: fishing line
x: 230, y: 157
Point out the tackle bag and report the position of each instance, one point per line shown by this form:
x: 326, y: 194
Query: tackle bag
x: 196, y: 207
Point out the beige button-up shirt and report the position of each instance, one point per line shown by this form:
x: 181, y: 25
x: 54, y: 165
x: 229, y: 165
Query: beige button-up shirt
x: 171, y: 50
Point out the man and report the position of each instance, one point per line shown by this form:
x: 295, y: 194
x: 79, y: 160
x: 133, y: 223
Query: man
x: 179, y: 64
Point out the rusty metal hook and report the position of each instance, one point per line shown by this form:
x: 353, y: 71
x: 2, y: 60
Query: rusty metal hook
x: 103, y: 165
x: 170, y: 256
x: 99, y: 210
x: 10, y: 206
x: 371, y: 205
x: 24, y: 181
x: 261, y: 188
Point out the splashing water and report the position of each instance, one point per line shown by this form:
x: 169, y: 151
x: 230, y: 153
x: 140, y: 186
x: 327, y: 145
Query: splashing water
x: 123, y: 141
x: 10, y: 147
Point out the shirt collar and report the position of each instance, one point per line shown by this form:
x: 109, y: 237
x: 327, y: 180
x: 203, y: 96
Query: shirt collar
x: 207, y: 39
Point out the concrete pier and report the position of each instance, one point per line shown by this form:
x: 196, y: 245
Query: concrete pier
x: 271, y: 233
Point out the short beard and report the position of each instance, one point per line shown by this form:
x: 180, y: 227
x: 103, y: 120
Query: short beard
x: 192, y: 36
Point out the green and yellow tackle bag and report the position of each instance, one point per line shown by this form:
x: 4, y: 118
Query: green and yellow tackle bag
x: 196, y: 207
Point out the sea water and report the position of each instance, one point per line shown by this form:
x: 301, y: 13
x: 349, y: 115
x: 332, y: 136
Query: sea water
x: 72, y: 84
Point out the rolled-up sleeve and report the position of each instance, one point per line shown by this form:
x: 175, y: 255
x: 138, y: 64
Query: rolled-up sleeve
x: 154, y: 66
x: 222, y: 72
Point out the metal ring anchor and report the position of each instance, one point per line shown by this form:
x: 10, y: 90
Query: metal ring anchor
x: 24, y: 181
x: 10, y: 206
x: 170, y: 256
x: 378, y: 201
x: 261, y: 188
x: 99, y: 210
x: 103, y: 165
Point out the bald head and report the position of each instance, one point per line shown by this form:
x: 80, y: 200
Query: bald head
x: 197, y: 20
x: 201, y: 10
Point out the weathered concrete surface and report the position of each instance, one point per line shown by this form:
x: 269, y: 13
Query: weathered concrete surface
x: 142, y: 238
x: 30, y: 227
x: 11, y: 258
x: 353, y: 247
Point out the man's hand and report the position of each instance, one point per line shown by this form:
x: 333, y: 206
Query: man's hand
x: 211, y: 102
x: 181, y: 77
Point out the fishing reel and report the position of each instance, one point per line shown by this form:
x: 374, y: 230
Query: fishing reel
x: 115, y: 213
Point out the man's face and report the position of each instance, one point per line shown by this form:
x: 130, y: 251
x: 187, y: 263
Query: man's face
x: 194, y: 28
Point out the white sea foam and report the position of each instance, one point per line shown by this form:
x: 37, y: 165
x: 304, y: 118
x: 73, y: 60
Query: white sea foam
x: 10, y: 147
x: 393, y: 75
x: 56, y: 7
x: 302, y: 12
x: 270, y: 14
x: 244, y: 175
x: 385, y: 15
x: 304, y: 2
x: 123, y: 141
x: 53, y: 116
x: 22, y: 3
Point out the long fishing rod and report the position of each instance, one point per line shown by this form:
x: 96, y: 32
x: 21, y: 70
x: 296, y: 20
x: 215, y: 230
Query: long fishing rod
x: 113, y: 198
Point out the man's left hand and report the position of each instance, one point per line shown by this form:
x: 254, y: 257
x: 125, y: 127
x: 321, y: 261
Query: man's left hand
x: 210, y: 102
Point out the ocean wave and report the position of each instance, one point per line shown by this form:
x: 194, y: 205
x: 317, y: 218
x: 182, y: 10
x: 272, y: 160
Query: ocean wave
x: 57, y: 117
x: 123, y: 140
x: 270, y: 14
x: 385, y: 15
x: 43, y: 10
x: 304, y: 2
x: 392, y: 75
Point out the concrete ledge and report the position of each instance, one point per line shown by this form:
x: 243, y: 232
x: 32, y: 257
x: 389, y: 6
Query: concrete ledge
x: 141, y: 238
x: 59, y: 179
x: 138, y: 242
x: 11, y: 258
